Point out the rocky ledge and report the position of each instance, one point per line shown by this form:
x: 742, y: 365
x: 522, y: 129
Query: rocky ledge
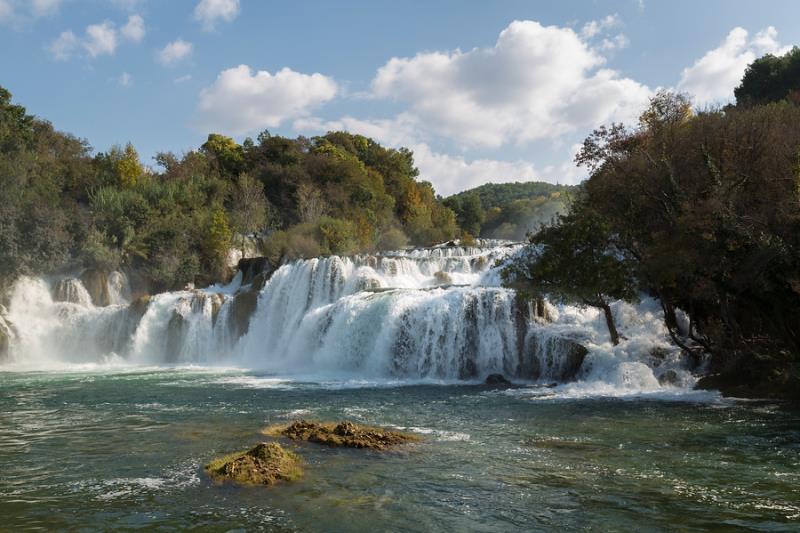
x: 344, y: 434
x: 266, y: 464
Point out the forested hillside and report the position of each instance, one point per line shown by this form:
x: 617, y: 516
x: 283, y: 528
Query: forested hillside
x: 509, y: 210
x: 66, y: 208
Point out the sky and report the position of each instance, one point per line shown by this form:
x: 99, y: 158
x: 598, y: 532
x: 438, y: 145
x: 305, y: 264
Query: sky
x: 481, y: 91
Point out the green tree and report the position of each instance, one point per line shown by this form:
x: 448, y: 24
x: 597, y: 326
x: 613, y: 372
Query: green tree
x: 771, y: 79
x: 227, y: 155
x: 576, y: 261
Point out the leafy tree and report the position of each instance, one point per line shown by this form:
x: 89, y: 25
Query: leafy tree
x: 578, y: 261
x: 129, y: 169
x: 771, y: 79
x: 225, y: 153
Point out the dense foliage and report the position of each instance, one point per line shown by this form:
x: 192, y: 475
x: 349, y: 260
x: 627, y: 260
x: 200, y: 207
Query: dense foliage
x: 508, y: 210
x: 771, y: 79
x: 66, y: 208
x: 705, y: 211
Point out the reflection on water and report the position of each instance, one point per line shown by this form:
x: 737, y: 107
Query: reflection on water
x: 124, y: 450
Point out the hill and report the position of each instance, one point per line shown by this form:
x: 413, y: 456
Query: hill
x: 509, y: 210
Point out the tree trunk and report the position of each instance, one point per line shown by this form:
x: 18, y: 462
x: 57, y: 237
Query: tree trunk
x: 612, y: 329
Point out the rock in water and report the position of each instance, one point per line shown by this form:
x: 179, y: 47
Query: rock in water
x: 266, y: 464
x: 344, y: 434
x: 96, y: 283
x: 497, y: 380
x: 443, y: 278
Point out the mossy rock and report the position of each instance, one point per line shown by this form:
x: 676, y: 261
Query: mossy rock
x: 344, y: 434
x: 266, y: 464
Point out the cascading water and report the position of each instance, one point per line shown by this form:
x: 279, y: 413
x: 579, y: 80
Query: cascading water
x: 435, y: 313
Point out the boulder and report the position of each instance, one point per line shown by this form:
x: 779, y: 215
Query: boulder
x: 553, y: 358
x: 443, y: 278
x: 96, y: 284
x: 255, y: 270
x: 266, y: 464
x: 344, y: 434
x: 497, y: 380
x: 670, y: 377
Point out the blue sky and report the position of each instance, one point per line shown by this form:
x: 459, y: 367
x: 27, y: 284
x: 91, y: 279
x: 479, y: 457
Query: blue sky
x: 481, y: 91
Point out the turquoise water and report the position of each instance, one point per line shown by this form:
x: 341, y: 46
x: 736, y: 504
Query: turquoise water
x: 118, y: 450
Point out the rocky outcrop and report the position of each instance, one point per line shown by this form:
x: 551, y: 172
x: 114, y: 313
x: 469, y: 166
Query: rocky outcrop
x: 344, y: 434
x: 266, y: 464
x: 242, y: 308
x: 255, y: 271
x: 96, y: 284
x: 553, y: 358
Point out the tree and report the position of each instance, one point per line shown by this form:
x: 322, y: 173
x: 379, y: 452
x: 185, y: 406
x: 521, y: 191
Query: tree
x: 248, y: 206
x: 577, y: 261
x: 310, y: 204
x: 771, y: 79
x: 217, y: 240
x: 226, y: 154
x: 129, y: 169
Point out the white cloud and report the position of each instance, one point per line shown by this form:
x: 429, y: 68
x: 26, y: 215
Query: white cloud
x: 182, y: 79
x: 12, y: 10
x: 537, y: 82
x: 64, y: 46
x: 209, y: 12
x: 174, y: 52
x: 240, y: 101
x: 595, y: 27
x: 45, y: 8
x: 6, y: 10
x: 100, y: 39
x: 125, y: 79
x: 134, y: 30
x: 452, y: 174
x: 616, y: 42
x: 713, y: 77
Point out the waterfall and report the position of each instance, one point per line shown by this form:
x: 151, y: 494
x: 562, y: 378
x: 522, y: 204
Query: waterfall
x: 437, y: 313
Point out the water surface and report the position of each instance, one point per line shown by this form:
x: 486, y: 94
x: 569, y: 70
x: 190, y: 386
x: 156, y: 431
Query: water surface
x: 125, y: 449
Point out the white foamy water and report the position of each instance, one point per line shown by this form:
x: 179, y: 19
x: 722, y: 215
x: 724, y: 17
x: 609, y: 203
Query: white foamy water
x: 421, y: 316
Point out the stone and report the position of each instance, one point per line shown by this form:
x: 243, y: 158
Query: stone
x: 252, y: 267
x: 670, y: 377
x: 497, y: 380
x: 266, y: 464
x: 242, y: 308
x: 443, y: 278
x: 344, y: 434
x: 96, y: 284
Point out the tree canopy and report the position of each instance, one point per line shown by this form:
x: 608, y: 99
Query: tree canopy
x: 65, y: 207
